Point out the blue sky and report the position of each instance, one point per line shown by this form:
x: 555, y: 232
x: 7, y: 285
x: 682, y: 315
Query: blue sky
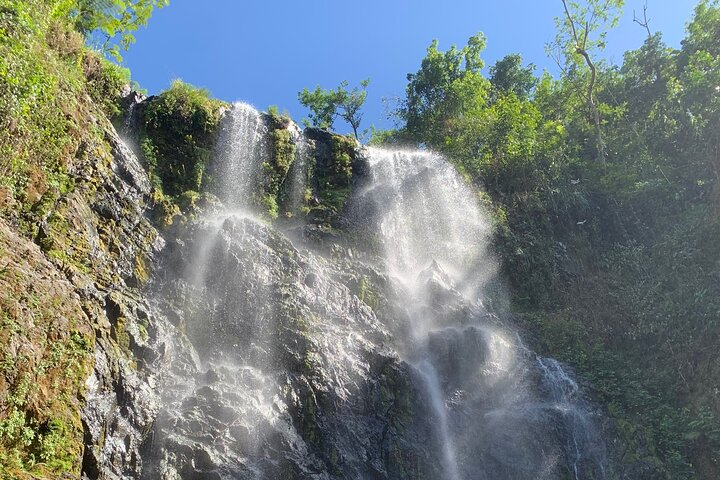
x: 264, y: 52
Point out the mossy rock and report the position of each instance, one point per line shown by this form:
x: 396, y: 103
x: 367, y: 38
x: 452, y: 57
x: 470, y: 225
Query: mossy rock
x: 47, y: 342
x: 178, y: 136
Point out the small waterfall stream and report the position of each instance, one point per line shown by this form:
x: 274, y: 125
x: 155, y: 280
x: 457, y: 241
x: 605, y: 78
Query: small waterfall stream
x: 242, y: 148
x: 298, y: 174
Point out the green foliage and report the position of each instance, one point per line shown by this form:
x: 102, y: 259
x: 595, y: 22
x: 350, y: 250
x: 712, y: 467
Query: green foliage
x: 106, y: 82
x: 350, y: 102
x: 581, y: 32
x: 583, y: 28
x: 276, y: 168
x: 178, y: 137
x: 115, y: 20
x: 43, y: 377
x: 322, y: 106
x: 385, y: 137
x: 46, y: 76
x: 332, y: 181
x: 508, y: 76
x: 447, y: 86
x: 335, y: 182
x: 612, y: 264
x: 367, y: 293
x: 326, y: 105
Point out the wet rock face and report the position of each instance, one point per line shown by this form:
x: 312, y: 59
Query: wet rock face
x: 252, y: 358
x: 77, y: 330
x: 230, y: 353
x: 277, y: 368
x: 99, y: 237
x: 284, y: 372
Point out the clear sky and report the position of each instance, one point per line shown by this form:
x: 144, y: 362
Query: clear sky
x: 264, y: 52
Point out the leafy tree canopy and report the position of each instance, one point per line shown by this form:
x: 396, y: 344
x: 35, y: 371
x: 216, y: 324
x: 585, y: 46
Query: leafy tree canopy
x: 447, y: 84
x: 326, y: 105
x: 509, y: 76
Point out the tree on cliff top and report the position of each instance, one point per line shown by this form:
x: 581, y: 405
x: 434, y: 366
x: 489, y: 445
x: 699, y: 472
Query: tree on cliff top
x: 326, y: 105
x: 447, y: 86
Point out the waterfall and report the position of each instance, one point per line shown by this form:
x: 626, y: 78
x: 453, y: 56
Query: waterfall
x: 582, y: 436
x: 428, y: 215
x: 298, y: 174
x: 435, y: 239
x: 438, y: 404
x: 282, y: 369
x: 242, y: 149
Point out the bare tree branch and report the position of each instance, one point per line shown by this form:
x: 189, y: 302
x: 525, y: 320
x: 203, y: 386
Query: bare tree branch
x: 645, y: 22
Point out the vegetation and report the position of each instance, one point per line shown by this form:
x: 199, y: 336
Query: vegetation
x: 276, y: 168
x: 114, y: 20
x: 581, y: 31
x: 334, y: 182
x: 47, y: 355
x: 47, y: 80
x: 326, y: 105
x: 179, y: 135
x: 612, y: 263
x: 55, y: 95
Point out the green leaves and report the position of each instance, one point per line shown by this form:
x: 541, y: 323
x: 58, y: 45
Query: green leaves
x: 447, y: 85
x: 508, y: 76
x: 326, y: 105
x: 178, y: 136
x: 321, y: 104
x: 584, y: 26
x: 115, y: 20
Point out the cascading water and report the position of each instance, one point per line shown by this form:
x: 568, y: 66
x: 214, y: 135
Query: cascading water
x: 573, y: 415
x: 241, y: 150
x: 298, y: 174
x: 480, y: 380
x: 282, y: 371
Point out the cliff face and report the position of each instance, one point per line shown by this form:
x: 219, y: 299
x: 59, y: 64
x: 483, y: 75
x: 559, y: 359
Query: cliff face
x: 288, y: 375
x: 289, y: 349
x: 234, y: 297
x: 72, y: 310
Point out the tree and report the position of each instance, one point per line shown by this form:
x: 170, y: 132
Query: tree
x: 447, y: 85
x: 115, y: 20
x: 508, y: 76
x: 350, y: 103
x: 580, y: 33
x: 326, y: 105
x: 322, y: 106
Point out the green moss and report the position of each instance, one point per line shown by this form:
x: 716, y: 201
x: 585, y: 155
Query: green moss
x: 275, y: 170
x: 334, y: 183
x: 105, y: 82
x: 178, y: 136
x: 268, y: 204
x: 142, y: 275
x: 367, y: 292
x: 120, y: 334
x: 40, y: 429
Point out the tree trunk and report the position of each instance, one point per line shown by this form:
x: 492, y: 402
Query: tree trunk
x: 593, y: 106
